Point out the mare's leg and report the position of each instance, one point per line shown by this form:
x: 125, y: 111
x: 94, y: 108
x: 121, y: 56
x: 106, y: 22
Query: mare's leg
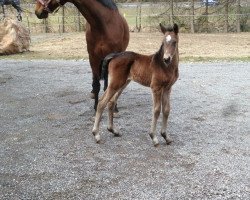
x: 109, y: 93
x: 156, y: 112
x: 111, y: 106
x: 165, y: 114
x: 96, y: 71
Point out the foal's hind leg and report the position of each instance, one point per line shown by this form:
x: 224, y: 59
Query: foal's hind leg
x: 111, y: 106
x: 156, y: 113
x: 100, y: 108
x: 165, y: 114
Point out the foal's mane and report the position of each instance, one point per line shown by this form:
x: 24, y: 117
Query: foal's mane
x: 108, y: 3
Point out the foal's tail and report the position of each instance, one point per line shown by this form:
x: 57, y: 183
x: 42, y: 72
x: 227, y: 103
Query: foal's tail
x: 105, y: 64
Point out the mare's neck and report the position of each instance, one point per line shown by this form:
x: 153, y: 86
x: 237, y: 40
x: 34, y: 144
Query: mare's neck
x: 93, y: 11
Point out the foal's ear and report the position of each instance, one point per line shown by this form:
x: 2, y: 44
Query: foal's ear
x: 163, y: 28
x: 176, y: 28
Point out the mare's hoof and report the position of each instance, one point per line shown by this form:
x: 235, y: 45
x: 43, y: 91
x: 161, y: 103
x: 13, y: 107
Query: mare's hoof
x: 92, y: 95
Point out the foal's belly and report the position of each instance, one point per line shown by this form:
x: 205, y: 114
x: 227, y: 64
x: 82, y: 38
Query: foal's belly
x: 145, y: 81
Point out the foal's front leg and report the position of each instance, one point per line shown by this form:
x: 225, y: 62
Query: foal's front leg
x: 156, y: 113
x: 165, y: 114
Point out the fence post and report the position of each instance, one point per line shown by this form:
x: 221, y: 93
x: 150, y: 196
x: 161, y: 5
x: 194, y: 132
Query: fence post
x: 45, y: 23
x: 192, y: 16
x: 238, y: 12
x: 138, y: 17
x: 206, y: 16
x: 79, y: 20
x: 63, y: 20
x: 226, y: 16
x: 171, y: 11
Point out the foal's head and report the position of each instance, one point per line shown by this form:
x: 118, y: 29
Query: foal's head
x: 44, y: 7
x: 170, y: 42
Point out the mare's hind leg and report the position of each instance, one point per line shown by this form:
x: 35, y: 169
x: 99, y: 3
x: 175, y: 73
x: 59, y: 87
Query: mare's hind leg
x: 156, y: 112
x: 111, y: 106
x: 101, y: 106
x: 165, y: 114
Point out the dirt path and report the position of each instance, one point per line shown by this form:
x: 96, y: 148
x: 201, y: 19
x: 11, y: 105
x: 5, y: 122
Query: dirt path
x: 47, y: 150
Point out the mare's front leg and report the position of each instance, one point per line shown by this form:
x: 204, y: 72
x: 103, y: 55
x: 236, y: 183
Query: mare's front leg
x: 109, y: 93
x: 156, y: 112
x: 96, y: 72
x: 165, y: 114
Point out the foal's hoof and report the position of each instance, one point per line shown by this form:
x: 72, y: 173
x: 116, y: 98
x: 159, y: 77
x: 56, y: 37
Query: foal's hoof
x: 115, y: 132
x: 92, y: 95
x: 116, y: 115
x: 156, y: 145
x: 169, y: 141
x: 97, y: 138
x: 155, y: 142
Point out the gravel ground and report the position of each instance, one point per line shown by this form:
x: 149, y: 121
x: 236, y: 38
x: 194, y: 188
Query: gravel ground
x: 47, y: 150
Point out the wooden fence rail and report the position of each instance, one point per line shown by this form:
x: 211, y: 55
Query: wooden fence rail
x: 229, y: 16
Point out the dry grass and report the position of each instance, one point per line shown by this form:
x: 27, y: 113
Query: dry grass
x: 193, y: 47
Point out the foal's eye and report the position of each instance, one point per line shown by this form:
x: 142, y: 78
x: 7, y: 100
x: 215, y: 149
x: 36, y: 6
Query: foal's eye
x: 174, y: 43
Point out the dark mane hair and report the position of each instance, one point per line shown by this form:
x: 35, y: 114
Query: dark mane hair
x: 108, y: 3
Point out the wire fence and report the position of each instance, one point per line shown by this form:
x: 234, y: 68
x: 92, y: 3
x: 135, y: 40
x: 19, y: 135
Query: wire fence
x: 192, y: 16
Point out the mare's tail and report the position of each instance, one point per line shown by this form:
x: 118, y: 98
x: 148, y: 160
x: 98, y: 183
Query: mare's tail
x: 105, y: 64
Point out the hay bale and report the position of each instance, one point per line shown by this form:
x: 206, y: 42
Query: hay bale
x: 14, y: 37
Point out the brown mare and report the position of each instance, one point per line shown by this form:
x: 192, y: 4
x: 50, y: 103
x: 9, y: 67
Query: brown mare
x: 158, y: 71
x: 106, y: 30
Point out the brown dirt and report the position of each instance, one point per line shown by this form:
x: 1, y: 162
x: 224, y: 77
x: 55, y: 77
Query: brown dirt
x: 192, y: 46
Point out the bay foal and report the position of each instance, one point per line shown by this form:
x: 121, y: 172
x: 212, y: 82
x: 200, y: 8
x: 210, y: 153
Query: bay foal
x: 158, y: 71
